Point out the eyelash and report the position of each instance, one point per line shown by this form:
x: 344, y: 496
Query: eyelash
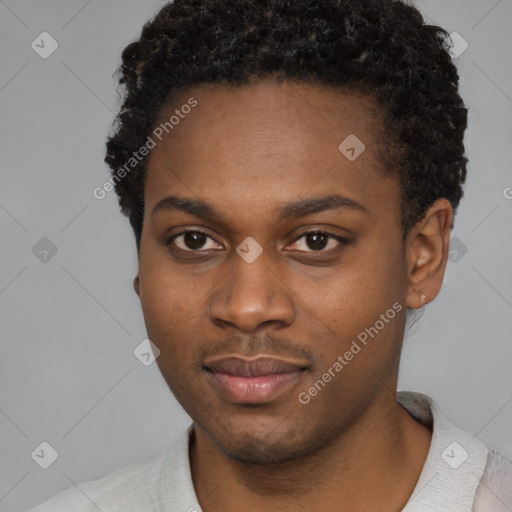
x: 340, y: 239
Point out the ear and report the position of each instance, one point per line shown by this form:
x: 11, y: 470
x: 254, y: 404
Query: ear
x: 136, y: 285
x: 427, y: 249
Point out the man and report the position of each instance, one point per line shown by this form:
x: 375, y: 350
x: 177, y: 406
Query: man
x: 291, y: 171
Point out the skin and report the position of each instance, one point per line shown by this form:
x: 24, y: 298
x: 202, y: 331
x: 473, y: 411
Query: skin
x: 246, y: 152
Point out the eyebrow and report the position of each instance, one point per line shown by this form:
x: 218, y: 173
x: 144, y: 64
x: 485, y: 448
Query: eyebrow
x: 300, y: 208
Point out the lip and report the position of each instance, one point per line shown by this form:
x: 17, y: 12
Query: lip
x: 253, y: 381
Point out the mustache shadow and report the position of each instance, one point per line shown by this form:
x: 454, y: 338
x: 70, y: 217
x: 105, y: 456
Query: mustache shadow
x: 254, y: 345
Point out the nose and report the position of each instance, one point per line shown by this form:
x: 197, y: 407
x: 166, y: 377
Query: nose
x: 250, y: 295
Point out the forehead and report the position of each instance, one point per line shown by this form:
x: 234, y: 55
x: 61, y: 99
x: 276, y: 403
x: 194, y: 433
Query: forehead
x: 287, y: 113
x: 268, y: 143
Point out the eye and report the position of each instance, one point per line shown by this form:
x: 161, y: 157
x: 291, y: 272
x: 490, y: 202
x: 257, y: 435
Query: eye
x: 318, y: 240
x: 191, y: 240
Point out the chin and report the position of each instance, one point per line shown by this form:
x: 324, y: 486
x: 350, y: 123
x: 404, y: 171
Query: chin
x: 267, y: 446
x: 261, y: 453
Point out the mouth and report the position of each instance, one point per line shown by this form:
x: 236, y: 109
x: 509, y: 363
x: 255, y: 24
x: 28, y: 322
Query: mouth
x: 253, y: 381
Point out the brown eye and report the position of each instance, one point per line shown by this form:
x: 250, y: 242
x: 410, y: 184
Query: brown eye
x: 191, y: 240
x: 318, y: 241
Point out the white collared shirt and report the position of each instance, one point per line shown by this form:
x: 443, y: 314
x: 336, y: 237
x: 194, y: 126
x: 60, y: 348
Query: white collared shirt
x: 460, y: 474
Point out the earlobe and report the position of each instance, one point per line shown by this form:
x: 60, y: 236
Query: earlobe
x: 427, y: 253
x: 136, y: 285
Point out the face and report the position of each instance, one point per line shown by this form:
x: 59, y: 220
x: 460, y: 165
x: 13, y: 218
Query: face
x: 244, y: 255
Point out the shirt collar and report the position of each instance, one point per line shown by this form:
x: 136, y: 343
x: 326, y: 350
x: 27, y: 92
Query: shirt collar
x: 455, y: 462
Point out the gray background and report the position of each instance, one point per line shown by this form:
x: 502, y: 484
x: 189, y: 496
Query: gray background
x: 70, y: 324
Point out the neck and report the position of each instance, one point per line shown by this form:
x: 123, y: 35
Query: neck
x: 376, y: 460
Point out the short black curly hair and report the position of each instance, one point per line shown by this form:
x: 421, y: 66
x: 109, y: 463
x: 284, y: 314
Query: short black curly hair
x: 382, y: 48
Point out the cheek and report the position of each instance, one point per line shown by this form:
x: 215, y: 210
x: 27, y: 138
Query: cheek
x: 373, y: 279
x: 362, y: 302
x: 166, y: 296
x: 359, y: 343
